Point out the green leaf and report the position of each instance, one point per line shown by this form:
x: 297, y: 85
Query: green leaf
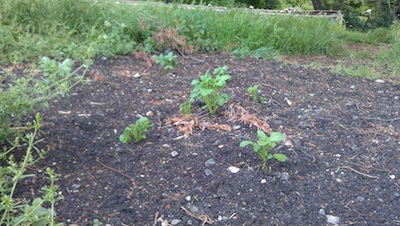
x: 277, y: 136
x: 261, y: 135
x: 245, y: 143
x: 279, y: 157
x: 124, y: 139
x: 206, y: 92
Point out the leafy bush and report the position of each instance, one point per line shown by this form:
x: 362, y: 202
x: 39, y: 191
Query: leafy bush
x: 208, y: 89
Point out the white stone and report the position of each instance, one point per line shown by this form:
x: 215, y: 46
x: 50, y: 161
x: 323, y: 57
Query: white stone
x: 149, y: 113
x: 188, y: 198
x: 392, y: 177
x: 332, y: 219
x: 233, y: 169
x: 263, y: 181
x: 380, y: 81
x: 174, y: 153
x: 175, y: 221
x: 137, y: 75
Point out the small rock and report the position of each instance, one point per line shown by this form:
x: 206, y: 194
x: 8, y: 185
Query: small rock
x: 194, y: 209
x: 236, y: 127
x: 288, y: 102
x: 352, y: 87
x: 338, y: 180
x: 380, y: 81
x: 188, y: 198
x: 149, y: 113
x: 208, y: 172
x: 210, y: 162
x: 222, y: 218
x: 166, y: 146
x: 392, y: 177
x: 282, y: 175
x: 174, y: 153
x: 137, y: 75
x: 321, y: 211
x: 75, y: 186
x: 149, y: 90
x: 263, y: 181
x: 221, y: 146
x: 175, y: 221
x: 332, y: 219
x: 233, y: 169
x: 360, y: 198
x: 216, y: 143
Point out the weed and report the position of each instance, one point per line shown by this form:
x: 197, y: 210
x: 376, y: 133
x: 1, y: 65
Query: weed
x: 253, y: 90
x: 264, y: 145
x: 24, y: 93
x: 137, y: 131
x: 166, y: 61
x: 186, y: 107
x: 21, y: 212
x: 208, y: 89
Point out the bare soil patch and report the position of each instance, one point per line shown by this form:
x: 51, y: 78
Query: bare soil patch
x: 343, y: 144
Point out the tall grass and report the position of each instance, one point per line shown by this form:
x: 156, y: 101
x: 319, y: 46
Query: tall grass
x: 32, y: 28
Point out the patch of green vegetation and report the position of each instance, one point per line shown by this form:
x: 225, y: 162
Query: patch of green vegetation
x: 166, y: 61
x: 264, y: 145
x: 207, y: 89
x: 20, y: 96
x: 137, y: 131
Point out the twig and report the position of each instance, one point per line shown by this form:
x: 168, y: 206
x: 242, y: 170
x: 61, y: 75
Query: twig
x: 384, y: 120
x: 205, y: 218
x: 365, y: 175
x: 112, y: 169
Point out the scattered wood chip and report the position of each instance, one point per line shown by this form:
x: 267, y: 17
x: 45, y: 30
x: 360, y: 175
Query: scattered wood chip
x: 187, y: 124
x: 237, y: 112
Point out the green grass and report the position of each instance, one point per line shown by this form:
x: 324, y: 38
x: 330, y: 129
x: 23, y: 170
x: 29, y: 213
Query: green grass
x: 30, y: 29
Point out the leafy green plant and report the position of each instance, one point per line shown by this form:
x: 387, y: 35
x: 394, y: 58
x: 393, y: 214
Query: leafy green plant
x: 264, y: 145
x: 166, y: 61
x: 208, y: 89
x: 253, y: 90
x: 137, y: 131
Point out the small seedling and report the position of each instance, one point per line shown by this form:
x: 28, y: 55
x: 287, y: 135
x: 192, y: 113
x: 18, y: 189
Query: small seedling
x: 263, y: 100
x: 253, y: 90
x: 186, y: 107
x: 166, y: 61
x: 208, y: 89
x: 264, y: 145
x: 137, y: 131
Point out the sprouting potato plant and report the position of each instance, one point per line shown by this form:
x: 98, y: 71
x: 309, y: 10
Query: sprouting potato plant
x: 137, y: 131
x: 264, y: 145
x: 166, y: 61
x: 207, y: 89
x: 253, y: 90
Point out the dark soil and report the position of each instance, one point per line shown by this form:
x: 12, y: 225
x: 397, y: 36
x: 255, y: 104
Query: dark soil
x: 342, y: 144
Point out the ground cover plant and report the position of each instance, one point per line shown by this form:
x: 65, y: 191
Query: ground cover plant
x: 341, y: 133
x: 207, y: 89
x: 264, y: 145
x: 137, y: 131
